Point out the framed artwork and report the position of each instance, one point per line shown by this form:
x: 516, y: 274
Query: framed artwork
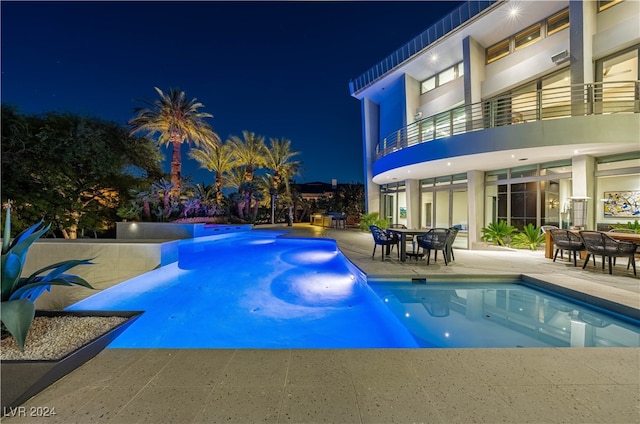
x: 622, y: 204
x: 403, y: 212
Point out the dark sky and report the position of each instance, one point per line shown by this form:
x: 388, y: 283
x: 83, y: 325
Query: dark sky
x: 279, y: 69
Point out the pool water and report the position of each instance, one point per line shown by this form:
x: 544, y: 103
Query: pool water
x: 256, y: 289
x: 253, y: 290
x: 459, y: 315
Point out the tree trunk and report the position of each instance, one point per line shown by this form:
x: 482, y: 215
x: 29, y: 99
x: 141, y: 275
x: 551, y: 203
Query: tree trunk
x: 176, y: 165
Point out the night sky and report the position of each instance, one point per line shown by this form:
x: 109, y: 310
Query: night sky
x: 279, y: 69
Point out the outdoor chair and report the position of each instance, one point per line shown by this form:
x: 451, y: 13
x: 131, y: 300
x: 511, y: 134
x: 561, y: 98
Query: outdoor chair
x: 452, y: 237
x: 598, y: 243
x: 435, y: 239
x: 384, y: 239
x: 566, y: 240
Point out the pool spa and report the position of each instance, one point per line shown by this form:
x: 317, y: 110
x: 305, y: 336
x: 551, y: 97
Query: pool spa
x: 257, y: 289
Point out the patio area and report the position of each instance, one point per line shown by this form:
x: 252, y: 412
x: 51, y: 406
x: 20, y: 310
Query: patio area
x: 541, y: 385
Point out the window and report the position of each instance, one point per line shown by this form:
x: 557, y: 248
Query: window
x: 528, y: 36
x: 558, y: 22
x: 448, y: 75
x: 498, y: 51
x: 428, y: 85
x: 605, y: 4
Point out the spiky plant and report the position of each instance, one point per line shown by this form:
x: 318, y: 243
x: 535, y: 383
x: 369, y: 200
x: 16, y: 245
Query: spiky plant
x: 530, y: 237
x: 17, y: 309
x: 497, y: 232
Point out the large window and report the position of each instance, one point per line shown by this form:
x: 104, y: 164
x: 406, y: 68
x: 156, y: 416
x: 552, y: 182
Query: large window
x: 531, y: 194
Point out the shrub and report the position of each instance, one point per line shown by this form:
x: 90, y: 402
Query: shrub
x: 632, y: 226
x: 497, y: 233
x: 372, y: 219
x: 530, y: 238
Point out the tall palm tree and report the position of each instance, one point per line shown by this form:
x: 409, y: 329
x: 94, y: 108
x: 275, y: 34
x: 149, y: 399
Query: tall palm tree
x: 235, y: 178
x: 175, y: 120
x: 218, y: 159
x: 278, y: 158
x: 249, y: 153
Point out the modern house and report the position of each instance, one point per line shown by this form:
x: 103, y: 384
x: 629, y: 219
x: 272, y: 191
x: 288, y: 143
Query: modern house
x: 523, y: 111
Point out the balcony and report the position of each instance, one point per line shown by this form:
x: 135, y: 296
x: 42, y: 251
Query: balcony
x: 515, y: 109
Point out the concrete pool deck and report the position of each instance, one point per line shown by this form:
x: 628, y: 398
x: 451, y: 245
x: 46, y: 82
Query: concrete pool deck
x: 541, y: 385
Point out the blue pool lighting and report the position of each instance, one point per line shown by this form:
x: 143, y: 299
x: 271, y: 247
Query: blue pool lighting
x: 257, y: 289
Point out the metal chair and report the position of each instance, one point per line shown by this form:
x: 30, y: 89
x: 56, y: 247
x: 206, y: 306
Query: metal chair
x: 566, y: 240
x: 384, y: 239
x: 435, y: 239
x: 598, y: 243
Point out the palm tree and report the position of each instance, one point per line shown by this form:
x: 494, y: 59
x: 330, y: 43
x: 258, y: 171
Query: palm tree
x: 218, y: 159
x: 235, y: 178
x: 250, y: 154
x: 278, y: 158
x: 175, y: 120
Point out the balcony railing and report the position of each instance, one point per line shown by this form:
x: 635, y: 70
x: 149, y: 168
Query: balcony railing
x: 517, y: 108
x: 436, y: 31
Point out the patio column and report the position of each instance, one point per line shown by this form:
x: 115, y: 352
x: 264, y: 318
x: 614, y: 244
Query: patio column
x: 475, y: 205
x: 413, y: 203
x: 583, y: 170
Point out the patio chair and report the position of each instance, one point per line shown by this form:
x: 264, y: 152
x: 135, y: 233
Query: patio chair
x: 598, y: 243
x: 435, y: 239
x: 566, y: 240
x: 384, y: 239
x: 452, y: 237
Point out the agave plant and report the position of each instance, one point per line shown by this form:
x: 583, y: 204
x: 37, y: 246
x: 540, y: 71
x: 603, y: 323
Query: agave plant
x: 17, y: 309
x: 530, y: 237
x: 497, y: 232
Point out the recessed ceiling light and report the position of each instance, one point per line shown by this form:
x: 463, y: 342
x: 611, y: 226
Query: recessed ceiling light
x: 448, y: 163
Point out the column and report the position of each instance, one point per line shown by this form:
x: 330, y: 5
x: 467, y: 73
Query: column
x: 475, y: 205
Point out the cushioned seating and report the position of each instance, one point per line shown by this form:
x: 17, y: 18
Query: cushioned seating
x: 566, y: 240
x: 384, y: 239
x: 435, y: 239
x: 598, y: 243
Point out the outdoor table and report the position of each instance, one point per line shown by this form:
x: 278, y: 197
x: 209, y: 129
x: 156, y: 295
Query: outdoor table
x: 403, y: 238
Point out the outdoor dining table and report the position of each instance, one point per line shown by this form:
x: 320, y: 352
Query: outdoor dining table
x: 403, y: 232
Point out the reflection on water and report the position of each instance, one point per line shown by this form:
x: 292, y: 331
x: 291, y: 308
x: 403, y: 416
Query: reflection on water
x: 500, y: 315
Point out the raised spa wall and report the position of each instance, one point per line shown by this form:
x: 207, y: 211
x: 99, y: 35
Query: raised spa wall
x: 137, y: 248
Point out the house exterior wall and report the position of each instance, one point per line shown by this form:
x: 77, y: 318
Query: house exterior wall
x: 582, y: 137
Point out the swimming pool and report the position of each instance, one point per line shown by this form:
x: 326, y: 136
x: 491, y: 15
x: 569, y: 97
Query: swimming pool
x: 259, y: 290
x: 461, y: 315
